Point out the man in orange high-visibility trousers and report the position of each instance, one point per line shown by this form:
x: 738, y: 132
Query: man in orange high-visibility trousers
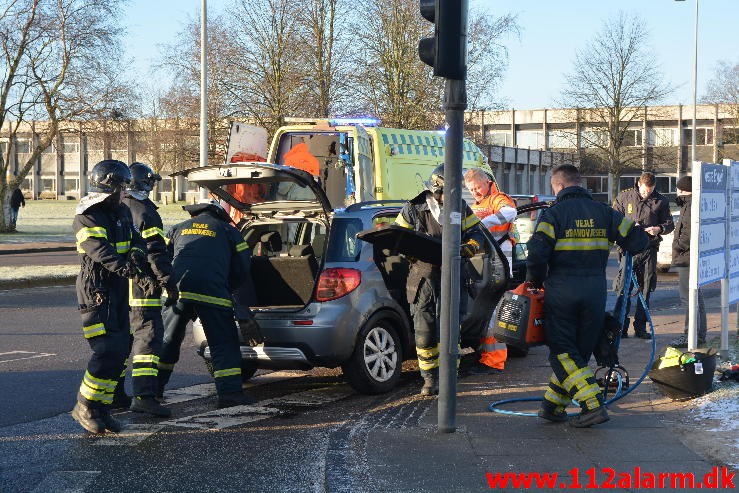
x: 496, y: 211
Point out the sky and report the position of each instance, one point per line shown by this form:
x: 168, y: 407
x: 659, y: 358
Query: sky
x: 551, y: 33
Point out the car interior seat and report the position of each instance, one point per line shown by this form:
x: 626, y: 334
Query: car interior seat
x: 270, y: 244
x: 305, y: 251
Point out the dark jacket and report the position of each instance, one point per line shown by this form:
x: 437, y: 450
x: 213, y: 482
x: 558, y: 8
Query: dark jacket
x: 652, y: 211
x: 104, y: 236
x: 17, y: 199
x: 211, y: 259
x: 681, y: 238
x: 148, y: 222
x: 573, y: 237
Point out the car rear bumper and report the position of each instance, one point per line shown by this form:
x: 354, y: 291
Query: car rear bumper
x: 271, y: 357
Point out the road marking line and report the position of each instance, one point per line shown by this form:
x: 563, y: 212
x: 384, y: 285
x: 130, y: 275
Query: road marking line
x: 66, y: 481
x: 199, y: 391
x: 239, y: 415
x: 36, y: 355
x: 131, y: 435
x: 224, y: 418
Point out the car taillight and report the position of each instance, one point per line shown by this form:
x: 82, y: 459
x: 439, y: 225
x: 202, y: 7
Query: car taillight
x: 337, y: 282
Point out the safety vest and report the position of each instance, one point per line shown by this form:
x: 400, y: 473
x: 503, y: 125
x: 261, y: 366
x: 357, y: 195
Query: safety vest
x: 491, y: 205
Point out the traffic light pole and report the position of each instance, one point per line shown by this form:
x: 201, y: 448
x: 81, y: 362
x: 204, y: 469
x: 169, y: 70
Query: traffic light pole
x: 455, y: 102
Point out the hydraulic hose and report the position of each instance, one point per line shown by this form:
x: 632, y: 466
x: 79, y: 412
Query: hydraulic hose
x: 628, y: 274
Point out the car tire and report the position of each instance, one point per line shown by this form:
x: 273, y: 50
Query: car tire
x: 517, y: 352
x: 377, y: 361
x: 247, y: 369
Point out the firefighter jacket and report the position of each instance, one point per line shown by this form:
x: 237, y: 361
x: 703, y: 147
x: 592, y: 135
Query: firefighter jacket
x: 652, y: 211
x: 147, y: 221
x: 573, y: 237
x: 681, y: 238
x: 211, y: 259
x: 104, y: 237
x: 418, y: 214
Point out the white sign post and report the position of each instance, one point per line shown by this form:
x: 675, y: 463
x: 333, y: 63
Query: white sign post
x: 709, y: 232
x: 730, y: 285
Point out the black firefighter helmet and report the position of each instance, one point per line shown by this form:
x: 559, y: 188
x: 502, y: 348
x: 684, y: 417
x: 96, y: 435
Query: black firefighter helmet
x: 109, y: 176
x: 143, y: 178
x: 436, y: 180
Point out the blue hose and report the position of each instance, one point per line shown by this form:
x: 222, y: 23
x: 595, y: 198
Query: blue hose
x: 628, y: 273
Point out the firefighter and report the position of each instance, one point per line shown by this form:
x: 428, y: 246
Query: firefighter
x: 496, y: 211
x: 105, y: 235
x: 423, y: 287
x: 147, y: 328
x: 650, y: 211
x: 211, y: 259
x: 568, y: 253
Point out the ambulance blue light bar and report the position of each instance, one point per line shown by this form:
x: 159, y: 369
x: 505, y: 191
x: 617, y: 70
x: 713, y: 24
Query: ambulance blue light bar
x: 365, y: 122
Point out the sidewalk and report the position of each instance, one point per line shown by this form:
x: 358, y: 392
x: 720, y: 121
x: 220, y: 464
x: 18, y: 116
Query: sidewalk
x: 418, y: 459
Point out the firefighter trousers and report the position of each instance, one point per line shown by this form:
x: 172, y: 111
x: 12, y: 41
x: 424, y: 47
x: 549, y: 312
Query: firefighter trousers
x: 575, y: 313
x: 106, y: 328
x: 147, y: 330
x: 223, y: 340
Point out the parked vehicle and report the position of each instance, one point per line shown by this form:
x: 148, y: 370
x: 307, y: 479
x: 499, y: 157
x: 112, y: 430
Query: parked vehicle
x: 664, y: 253
x: 324, y: 297
x: 356, y: 160
x: 525, y: 223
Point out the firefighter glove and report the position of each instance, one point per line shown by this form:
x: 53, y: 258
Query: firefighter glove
x: 148, y: 284
x: 136, y: 261
x: 250, y: 332
x: 468, y: 249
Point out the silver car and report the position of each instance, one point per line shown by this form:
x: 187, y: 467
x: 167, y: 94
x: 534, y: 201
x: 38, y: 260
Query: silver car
x: 323, y: 297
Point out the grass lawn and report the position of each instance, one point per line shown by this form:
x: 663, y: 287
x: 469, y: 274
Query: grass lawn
x: 51, y: 221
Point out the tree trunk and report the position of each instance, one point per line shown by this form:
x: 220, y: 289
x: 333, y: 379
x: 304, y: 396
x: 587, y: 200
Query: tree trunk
x: 5, y: 226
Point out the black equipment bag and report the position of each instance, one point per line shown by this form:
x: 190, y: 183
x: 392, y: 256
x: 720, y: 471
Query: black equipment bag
x: 691, y: 377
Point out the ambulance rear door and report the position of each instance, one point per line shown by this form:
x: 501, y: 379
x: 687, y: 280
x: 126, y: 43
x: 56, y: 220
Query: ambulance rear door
x: 363, y: 177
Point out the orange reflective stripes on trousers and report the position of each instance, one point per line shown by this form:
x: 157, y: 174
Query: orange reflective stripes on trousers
x: 494, y: 353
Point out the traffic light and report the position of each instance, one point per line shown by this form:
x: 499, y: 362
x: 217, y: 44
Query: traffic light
x: 447, y: 50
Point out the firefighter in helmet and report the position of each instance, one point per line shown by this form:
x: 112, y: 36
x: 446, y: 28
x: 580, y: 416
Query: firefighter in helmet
x: 423, y: 287
x: 568, y: 253
x: 105, y: 239
x: 147, y: 328
x: 211, y: 260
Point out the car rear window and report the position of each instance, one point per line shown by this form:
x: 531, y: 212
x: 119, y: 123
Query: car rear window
x: 343, y: 244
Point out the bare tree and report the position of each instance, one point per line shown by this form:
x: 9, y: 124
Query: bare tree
x: 616, y: 77
x: 323, y: 42
x: 723, y: 89
x: 60, y: 65
x: 391, y: 82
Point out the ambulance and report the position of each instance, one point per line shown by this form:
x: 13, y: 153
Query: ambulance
x: 355, y: 160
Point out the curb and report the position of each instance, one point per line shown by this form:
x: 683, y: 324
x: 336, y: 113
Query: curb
x: 8, y: 284
x: 13, y: 251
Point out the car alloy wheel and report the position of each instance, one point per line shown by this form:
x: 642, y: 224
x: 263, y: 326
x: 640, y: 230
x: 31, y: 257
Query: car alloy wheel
x: 380, y: 354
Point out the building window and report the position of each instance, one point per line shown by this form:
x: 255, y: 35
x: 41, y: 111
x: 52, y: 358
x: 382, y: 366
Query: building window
x: 49, y: 150
x: 663, y: 184
x: 23, y: 146
x: 596, y: 184
x: 703, y: 136
x: 730, y: 136
x: 71, y: 185
x: 562, y: 139
x: 633, y: 138
x: 71, y: 147
x: 165, y: 185
x: 499, y: 138
x: 594, y: 138
x: 530, y: 139
x: 662, y: 137
x: 48, y: 185
x: 3, y: 148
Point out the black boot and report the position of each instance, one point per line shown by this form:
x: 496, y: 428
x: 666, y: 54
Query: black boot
x: 121, y: 400
x: 111, y: 424
x: 88, y: 417
x: 149, y: 405
x: 430, y: 385
x: 231, y: 399
x: 586, y: 419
